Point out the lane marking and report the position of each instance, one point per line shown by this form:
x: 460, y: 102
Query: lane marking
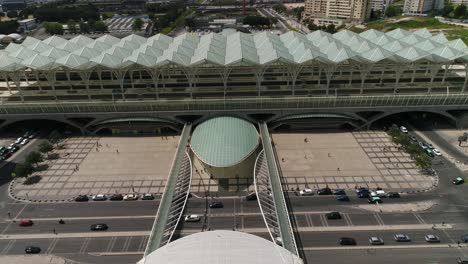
x: 348, y: 219
x: 11, y: 222
x: 379, y: 219
x: 323, y: 219
x: 143, y: 243
x: 309, y: 220
x: 127, y: 244
x: 84, y: 245
x: 111, y: 243
x: 419, y: 218
x: 8, y: 247
x: 52, y: 246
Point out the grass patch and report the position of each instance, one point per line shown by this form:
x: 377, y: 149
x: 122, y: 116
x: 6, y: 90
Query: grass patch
x: 408, y: 23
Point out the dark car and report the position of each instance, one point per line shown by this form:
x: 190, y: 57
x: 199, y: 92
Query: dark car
x: 464, y: 238
x: 362, y: 189
x: 324, y: 191
x: 5, y: 156
x: 14, y: 149
x: 339, y: 192
x: 116, y: 197
x: 347, y: 241
x: 216, y: 204
x: 363, y: 194
x: 251, y: 196
x: 343, y: 198
x: 333, y: 215
x: 462, y: 260
x: 393, y: 195
x: 402, y: 238
x: 32, y: 250
x: 458, y: 180
x: 81, y: 198
x: 99, y: 227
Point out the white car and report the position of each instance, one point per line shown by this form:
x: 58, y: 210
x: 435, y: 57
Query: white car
x: 431, y: 238
x: 192, y: 218
x: 436, y: 152
x: 18, y: 140
x: 376, y: 241
x: 130, y: 197
x: 99, y: 197
x: 379, y: 193
x: 403, y: 129
x: 24, y: 142
x: 12, y: 145
x: 306, y: 192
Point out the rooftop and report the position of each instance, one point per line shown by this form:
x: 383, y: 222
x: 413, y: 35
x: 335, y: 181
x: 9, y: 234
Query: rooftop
x: 224, y: 141
x: 236, y: 49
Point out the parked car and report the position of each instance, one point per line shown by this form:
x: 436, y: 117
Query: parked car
x: 324, y: 191
x: 393, y: 195
x: 363, y: 194
x: 436, y: 152
x: 423, y: 145
x: 81, y: 198
x: 18, y: 140
x: 430, y: 238
x: 99, y: 197
x: 32, y: 250
x: 14, y: 149
x: 376, y: 241
x: 12, y: 145
x: 333, y: 215
x: 374, y: 199
x: 147, y: 196
x: 379, y: 193
x: 5, y: 156
x: 99, y: 227
x: 429, y: 145
x: 347, y: 241
x: 339, y: 192
x: 24, y: 142
x: 192, y: 218
x: 343, y: 198
x: 33, y: 135
x: 116, y: 197
x: 306, y: 192
x: 429, y: 152
x: 26, y: 222
x: 403, y: 129
x: 26, y: 134
x: 251, y: 196
x: 362, y: 189
x: 458, y: 180
x: 461, y: 260
x: 216, y: 204
x: 402, y: 238
x: 413, y: 138
x: 130, y: 197
x: 464, y: 238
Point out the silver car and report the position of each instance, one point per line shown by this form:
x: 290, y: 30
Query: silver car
x: 376, y: 241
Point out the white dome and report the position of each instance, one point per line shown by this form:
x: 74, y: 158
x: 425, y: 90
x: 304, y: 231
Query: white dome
x: 2, y: 36
x: 14, y: 35
x: 221, y: 247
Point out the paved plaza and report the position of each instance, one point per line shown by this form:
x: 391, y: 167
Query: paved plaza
x: 93, y: 165
x: 346, y: 160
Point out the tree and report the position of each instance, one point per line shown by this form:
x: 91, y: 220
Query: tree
x: 45, y: 147
x: 71, y: 24
x: 423, y: 162
x: 53, y: 28
x: 330, y: 29
x: 460, y: 11
x: 23, y: 170
x: 137, y: 24
x: 12, y: 14
x: 279, y: 8
x: 54, y: 137
x: 393, y: 11
x: 34, y: 158
x: 99, y: 26
x: 448, y: 9
x: 84, y: 27
x: 8, y: 27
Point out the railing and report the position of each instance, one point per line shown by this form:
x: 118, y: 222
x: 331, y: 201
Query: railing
x: 174, y: 197
x: 266, y: 103
x: 287, y: 236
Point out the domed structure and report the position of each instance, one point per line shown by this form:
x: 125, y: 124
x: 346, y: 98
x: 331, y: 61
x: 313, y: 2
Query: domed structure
x: 221, y: 247
x: 225, y: 147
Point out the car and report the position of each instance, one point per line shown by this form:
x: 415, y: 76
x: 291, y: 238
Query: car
x: 339, y: 192
x: 324, y: 191
x: 376, y: 241
x: 18, y: 140
x: 99, y: 197
x: 33, y: 135
x: 81, y: 198
x: 403, y: 129
x: 251, y: 196
x: 379, y: 193
x: 458, y: 180
x: 14, y: 149
x: 26, y: 134
x: 306, y: 192
x: 430, y: 238
x: 5, y: 156
x: 462, y: 260
x: 364, y: 193
x: 32, y: 250
x: 423, y: 145
x: 343, y: 198
x: 26, y: 222
x: 12, y: 145
x: 393, y: 195
x: 401, y: 238
x: 333, y: 215
x: 464, y: 238
x: 216, y: 204
x: 347, y: 241
x: 429, y: 145
x: 429, y: 152
x: 374, y: 199
x: 192, y: 218
x: 130, y: 197
x: 436, y: 152
x: 24, y: 142
x: 116, y: 197
x: 99, y: 227
x: 413, y: 138
x: 362, y: 189
x: 147, y: 196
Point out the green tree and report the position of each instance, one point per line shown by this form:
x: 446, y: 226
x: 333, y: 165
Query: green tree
x: 84, y: 27
x: 279, y: 8
x: 34, y: 158
x: 448, y: 9
x: 137, y: 24
x: 423, y: 162
x: 99, y: 26
x: 460, y: 11
x: 54, y: 137
x: 53, y: 28
x: 45, y: 147
x: 12, y: 14
x: 393, y: 11
x: 23, y: 170
x: 71, y: 26
x: 330, y: 29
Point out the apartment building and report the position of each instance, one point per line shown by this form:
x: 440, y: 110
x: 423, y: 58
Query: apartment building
x: 422, y: 6
x: 356, y: 11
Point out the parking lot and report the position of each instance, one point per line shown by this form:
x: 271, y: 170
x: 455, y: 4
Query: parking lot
x: 107, y: 165
x: 346, y: 160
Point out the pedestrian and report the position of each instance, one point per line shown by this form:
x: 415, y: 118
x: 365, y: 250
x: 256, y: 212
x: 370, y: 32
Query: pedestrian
x: 117, y: 150
x: 282, y: 159
x: 54, y: 231
x: 305, y: 140
x: 338, y: 169
x: 9, y: 215
x: 97, y: 150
